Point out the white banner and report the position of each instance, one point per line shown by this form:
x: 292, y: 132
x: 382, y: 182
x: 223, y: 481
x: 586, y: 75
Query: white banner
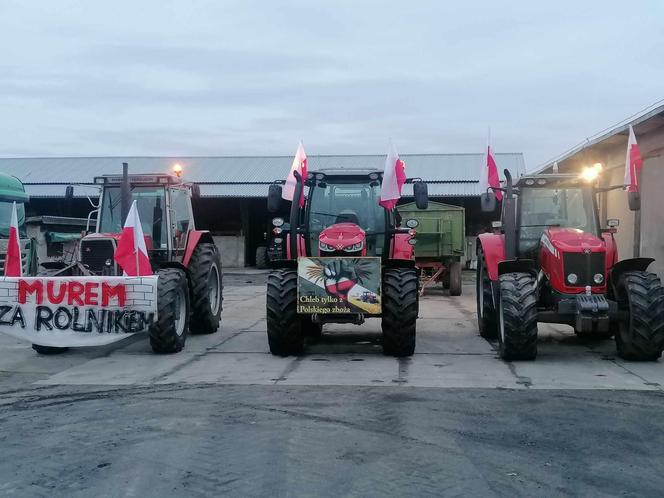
x: 76, y: 311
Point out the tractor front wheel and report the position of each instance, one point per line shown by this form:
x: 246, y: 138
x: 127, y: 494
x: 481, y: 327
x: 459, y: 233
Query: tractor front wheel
x: 486, y: 312
x: 169, y: 332
x: 517, y: 317
x: 206, y: 289
x: 400, y: 309
x: 284, y: 326
x: 641, y: 336
x: 261, y: 257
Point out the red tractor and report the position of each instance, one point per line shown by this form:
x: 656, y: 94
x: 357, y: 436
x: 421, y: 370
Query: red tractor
x: 341, y: 247
x: 185, y: 259
x: 553, y: 263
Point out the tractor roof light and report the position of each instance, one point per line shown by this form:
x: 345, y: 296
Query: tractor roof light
x: 591, y: 173
x: 177, y: 169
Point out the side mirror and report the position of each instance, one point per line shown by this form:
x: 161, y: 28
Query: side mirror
x: 488, y: 202
x: 273, y: 198
x: 196, y: 191
x: 634, y: 201
x: 421, y: 193
x: 69, y: 192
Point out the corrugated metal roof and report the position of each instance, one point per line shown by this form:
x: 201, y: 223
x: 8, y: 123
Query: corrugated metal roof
x: 47, y: 177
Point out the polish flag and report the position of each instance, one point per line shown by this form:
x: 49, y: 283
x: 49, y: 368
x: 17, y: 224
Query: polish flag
x: 131, y: 253
x: 489, y: 174
x: 299, y: 165
x: 13, y: 266
x: 633, y: 163
x: 394, y: 177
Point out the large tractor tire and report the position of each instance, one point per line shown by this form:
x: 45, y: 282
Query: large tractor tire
x: 400, y: 308
x: 49, y: 350
x: 641, y: 336
x: 455, y: 278
x: 206, y: 289
x: 284, y: 327
x: 261, y: 257
x: 169, y: 333
x: 517, y: 316
x: 487, y: 317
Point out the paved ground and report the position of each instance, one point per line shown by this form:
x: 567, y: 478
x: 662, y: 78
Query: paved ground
x: 225, y: 417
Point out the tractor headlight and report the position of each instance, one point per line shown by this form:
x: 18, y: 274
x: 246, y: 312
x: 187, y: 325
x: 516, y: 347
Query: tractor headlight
x: 598, y: 278
x: 326, y: 247
x: 355, y: 247
x: 572, y: 278
x: 277, y: 222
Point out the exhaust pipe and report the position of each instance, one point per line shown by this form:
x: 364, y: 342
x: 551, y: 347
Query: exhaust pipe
x: 125, y: 193
x: 295, y: 213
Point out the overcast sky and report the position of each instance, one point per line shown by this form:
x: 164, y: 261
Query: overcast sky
x: 250, y: 78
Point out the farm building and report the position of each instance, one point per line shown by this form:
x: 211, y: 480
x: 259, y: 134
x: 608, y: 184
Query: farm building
x: 234, y: 189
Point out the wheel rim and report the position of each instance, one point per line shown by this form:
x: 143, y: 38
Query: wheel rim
x: 181, y: 312
x: 214, y: 286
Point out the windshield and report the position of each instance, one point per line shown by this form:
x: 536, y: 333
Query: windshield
x: 6, y: 216
x: 350, y: 203
x: 150, y: 204
x: 540, y: 208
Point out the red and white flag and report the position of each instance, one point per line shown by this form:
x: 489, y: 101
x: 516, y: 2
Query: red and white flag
x: 299, y: 165
x: 131, y: 253
x: 633, y: 163
x: 13, y: 266
x: 394, y: 176
x: 489, y: 174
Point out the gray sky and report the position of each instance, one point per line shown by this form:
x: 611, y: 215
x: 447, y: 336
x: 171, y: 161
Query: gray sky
x: 249, y: 77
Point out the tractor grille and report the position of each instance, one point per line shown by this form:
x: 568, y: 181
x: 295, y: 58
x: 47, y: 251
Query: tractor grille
x: 585, y: 265
x: 95, y: 253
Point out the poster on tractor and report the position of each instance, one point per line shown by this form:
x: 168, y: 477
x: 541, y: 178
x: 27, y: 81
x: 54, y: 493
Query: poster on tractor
x: 338, y: 285
x: 76, y: 311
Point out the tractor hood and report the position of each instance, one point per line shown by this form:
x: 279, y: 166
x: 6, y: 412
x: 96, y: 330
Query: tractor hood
x: 341, y: 236
x: 572, y: 240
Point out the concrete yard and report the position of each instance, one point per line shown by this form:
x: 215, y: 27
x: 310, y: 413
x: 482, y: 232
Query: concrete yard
x: 226, y: 417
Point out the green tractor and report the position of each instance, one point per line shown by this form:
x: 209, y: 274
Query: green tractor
x: 12, y: 190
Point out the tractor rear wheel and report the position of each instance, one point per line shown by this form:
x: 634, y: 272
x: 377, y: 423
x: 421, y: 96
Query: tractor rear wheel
x: 487, y: 318
x: 284, y: 326
x: 455, y: 278
x: 206, y: 289
x: 517, y: 317
x: 261, y: 257
x: 641, y: 336
x: 400, y: 309
x: 169, y: 332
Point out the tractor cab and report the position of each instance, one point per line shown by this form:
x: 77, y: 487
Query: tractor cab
x: 552, y: 204
x: 164, y: 206
x: 343, y: 217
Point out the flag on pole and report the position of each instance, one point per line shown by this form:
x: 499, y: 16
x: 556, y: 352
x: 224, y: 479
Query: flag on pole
x: 131, y: 253
x: 489, y: 174
x: 13, y: 266
x: 394, y: 176
x: 633, y: 163
x: 299, y: 165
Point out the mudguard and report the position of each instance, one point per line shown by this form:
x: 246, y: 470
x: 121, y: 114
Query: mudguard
x: 401, y: 249
x: 493, y: 247
x: 632, y: 264
x: 194, y: 238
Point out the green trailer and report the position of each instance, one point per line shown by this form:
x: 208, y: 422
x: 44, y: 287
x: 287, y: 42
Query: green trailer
x: 440, y: 243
